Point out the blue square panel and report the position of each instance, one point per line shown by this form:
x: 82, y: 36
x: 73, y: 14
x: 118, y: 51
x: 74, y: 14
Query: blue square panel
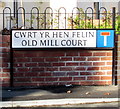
x: 105, y: 38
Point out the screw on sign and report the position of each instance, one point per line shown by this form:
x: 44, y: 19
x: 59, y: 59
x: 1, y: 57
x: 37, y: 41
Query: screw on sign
x: 105, y: 34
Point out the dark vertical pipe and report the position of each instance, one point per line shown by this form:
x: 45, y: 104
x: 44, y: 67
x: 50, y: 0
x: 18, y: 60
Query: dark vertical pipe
x: 96, y: 6
x: 113, y: 17
x: 14, y: 8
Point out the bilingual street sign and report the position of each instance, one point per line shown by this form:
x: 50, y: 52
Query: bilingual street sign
x: 62, y: 38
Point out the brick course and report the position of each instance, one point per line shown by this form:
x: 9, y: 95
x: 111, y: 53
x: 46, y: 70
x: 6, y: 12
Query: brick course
x: 57, y: 66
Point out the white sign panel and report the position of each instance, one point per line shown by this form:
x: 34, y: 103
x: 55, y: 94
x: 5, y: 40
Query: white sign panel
x: 53, y: 38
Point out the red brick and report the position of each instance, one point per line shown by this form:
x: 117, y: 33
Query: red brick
x: 37, y: 79
x: 23, y: 69
x: 98, y: 73
x: 93, y: 59
x: 106, y: 68
x: 71, y: 53
x: 37, y: 69
x: 85, y: 73
x: 22, y: 79
x: 98, y: 63
x: 58, y: 64
x: 37, y: 59
x: 93, y: 68
x: 109, y: 63
x: 4, y: 64
x: 31, y: 54
x: 65, y: 79
x: 106, y: 58
x: 79, y: 58
x: 79, y: 68
x: 5, y: 60
x: 6, y: 70
x: 109, y: 82
x: 51, y: 79
x: 18, y: 65
x: 45, y: 64
x: 4, y: 44
x: 86, y: 54
x: 18, y: 74
x: 100, y: 54
x: 106, y: 77
x: 5, y: 80
x: 86, y: 83
x: 5, y: 38
x: 22, y: 59
x: 5, y: 75
x: 65, y: 59
x: 51, y: 54
x: 109, y: 72
x: 21, y: 54
x: 85, y: 63
x: 93, y: 78
x: 109, y: 54
x: 72, y: 73
x: 31, y: 74
x: 51, y: 59
x: 59, y: 74
x: 72, y: 64
x: 65, y: 69
x: 51, y: 69
x: 31, y: 64
x: 44, y: 74
x: 79, y: 78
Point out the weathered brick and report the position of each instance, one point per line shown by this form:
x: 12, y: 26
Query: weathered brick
x: 85, y: 63
x: 65, y: 69
x: 85, y: 54
x: 72, y: 64
x: 31, y: 64
x: 98, y: 73
x: 100, y: 54
x: 79, y: 58
x: 86, y: 83
x: 52, y: 69
x: 65, y: 79
x: 51, y: 79
x: 86, y: 73
x: 93, y: 68
x: 98, y: 63
x: 94, y: 59
x: 93, y: 78
x: 79, y: 69
x: 59, y: 73
x: 79, y: 78
x: 72, y: 73
x: 65, y: 59
x: 58, y: 64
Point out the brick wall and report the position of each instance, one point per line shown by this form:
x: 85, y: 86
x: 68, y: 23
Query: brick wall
x: 56, y: 66
x: 118, y: 59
